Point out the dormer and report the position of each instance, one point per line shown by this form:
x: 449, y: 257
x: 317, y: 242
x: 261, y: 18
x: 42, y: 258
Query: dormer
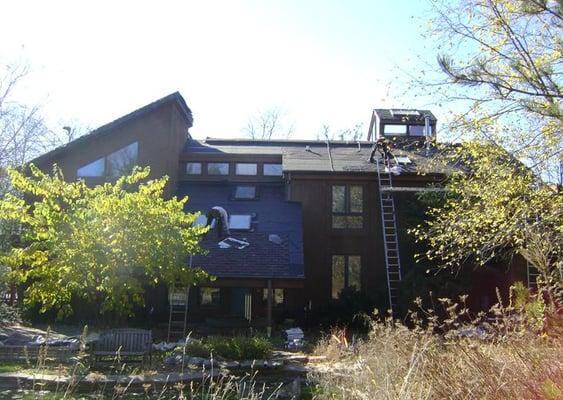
x: 403, y: 124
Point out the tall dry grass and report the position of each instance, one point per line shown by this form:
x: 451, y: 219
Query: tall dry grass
x: 444, y: 354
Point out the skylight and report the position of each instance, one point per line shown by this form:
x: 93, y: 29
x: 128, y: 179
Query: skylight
x: 245, y: 192
x: 240, y: 222
x: 202, y: 221
x: 403, y: 160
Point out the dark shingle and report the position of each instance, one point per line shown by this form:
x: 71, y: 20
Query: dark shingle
x: 273, y: 215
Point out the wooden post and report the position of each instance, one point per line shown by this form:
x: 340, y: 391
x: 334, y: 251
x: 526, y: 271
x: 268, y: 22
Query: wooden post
x: 269, y: 328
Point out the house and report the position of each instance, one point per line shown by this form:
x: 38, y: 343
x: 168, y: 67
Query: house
x: 308, y: 218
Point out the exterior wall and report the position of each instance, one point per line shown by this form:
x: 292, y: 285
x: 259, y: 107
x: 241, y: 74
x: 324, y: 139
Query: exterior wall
x: 161, y: 135
x: 321, y: 241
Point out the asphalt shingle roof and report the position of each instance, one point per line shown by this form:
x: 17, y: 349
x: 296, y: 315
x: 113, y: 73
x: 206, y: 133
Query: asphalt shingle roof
x: 313, y: 155
x: 271, y: 215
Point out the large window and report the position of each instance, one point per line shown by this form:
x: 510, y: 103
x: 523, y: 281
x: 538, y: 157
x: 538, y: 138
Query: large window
x: 246, y: 169
x: 118, y: 163
x: 122, y: 161
x: 95, y: 168
x: 346, y: 272
x: 347, y: 206
x: 273, y: 170
x: 218, y: 169
x: 209, y: 296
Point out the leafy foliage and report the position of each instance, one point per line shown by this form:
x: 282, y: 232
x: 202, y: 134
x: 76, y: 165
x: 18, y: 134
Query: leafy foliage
x: 231, y: 348
x: 102, y: 244
x: 494, y: 207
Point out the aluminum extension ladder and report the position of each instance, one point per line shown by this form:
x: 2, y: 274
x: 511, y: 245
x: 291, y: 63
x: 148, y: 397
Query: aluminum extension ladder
x: 178, y: 312
x: 390, y: 237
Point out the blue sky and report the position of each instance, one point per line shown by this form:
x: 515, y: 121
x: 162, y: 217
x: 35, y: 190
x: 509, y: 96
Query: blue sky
x: 320, y: 62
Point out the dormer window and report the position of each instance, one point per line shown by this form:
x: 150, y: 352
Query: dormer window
x: 416, y: 130
x: 394, y: 129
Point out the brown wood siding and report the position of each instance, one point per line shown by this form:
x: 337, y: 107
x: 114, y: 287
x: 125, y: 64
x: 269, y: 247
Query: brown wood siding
x: 321, y: 241
x: 161, y: 135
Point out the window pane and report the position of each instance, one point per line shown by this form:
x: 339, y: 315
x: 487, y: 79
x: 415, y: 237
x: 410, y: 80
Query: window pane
x: 394, y: 129
x: 337, y: 275
x: 273, y: 170
x: 339, y: 199
x: 96, y: 168
x: 416, y: 130
x: 193, y: 168
x: 218, y: 169
x: 354, y: 271
x: 245, y: 192
x: 356, y: 199
x: 246, y: 169
x: 209, y: 296
x: 277, y: 296
x: 347, y: 221
x: 122, y: 161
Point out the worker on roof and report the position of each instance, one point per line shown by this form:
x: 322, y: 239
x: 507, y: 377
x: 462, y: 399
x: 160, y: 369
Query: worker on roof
x: 219, y: 214
x: 382, y: 146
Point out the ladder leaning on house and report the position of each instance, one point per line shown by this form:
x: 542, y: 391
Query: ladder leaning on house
x: 532, y: 274
x: 390, y: 237
x: 178, y: 311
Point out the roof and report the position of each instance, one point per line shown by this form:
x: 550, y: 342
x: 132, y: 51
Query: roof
x: 403, y: 115
x: 318, y: 156
x: 175, y: 97
x: 272, y: 215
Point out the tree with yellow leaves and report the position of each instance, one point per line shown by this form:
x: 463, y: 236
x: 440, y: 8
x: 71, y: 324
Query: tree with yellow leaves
x: 102, y: 244
x: 504, y: 60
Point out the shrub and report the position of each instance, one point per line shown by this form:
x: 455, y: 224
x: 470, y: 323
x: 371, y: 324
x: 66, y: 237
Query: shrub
x: 9, y: 314
x: 235, y: 348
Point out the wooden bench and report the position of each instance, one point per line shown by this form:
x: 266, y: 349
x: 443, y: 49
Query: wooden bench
x: 123, y: 343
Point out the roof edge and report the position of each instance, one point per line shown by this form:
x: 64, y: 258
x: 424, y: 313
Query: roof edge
x: 175, y: 98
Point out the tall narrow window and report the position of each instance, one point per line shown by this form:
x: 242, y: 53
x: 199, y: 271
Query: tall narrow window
x: 347, y: 206
x: 346, y: 272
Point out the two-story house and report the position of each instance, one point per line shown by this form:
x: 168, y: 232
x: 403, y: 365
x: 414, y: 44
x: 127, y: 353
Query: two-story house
x: 307, y: 218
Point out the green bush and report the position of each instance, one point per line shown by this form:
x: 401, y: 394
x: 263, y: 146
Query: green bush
x: 235, y: 348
